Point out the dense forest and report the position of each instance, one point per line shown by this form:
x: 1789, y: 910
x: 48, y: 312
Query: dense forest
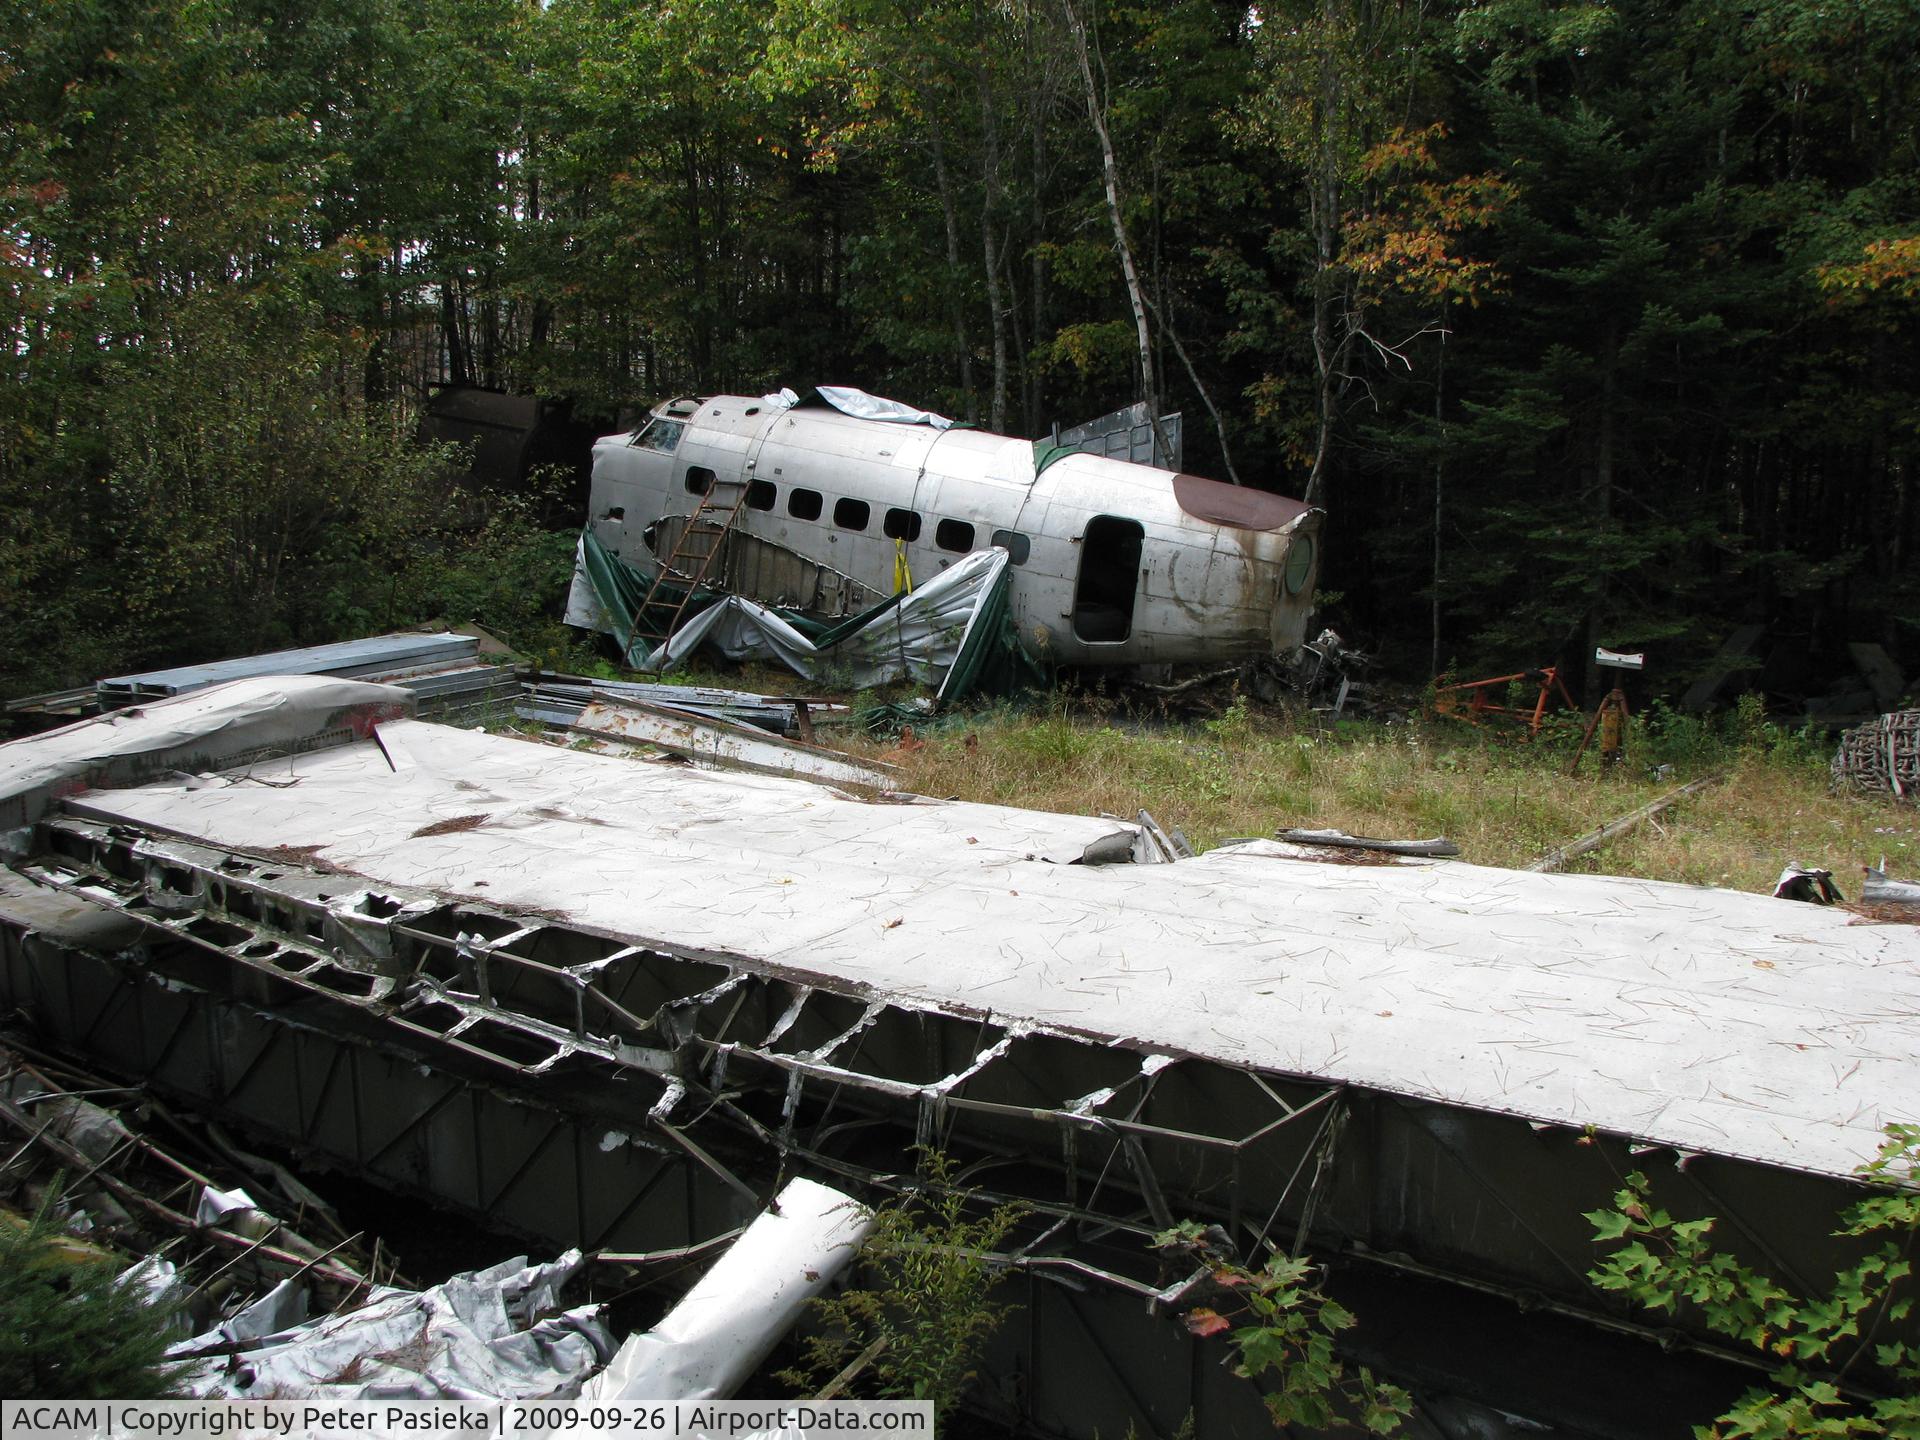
x: 1587, y: 321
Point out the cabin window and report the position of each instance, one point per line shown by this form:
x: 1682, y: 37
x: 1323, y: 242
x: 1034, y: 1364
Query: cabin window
x: 954, y: 535
x: 803, y: 504
x: 761, y: 494
x: 851, y: 514
x: 1017, y: 546
x: 1109, y: 579
x: 902, y: 525
x: 700, y: 480
x: 661, y: 435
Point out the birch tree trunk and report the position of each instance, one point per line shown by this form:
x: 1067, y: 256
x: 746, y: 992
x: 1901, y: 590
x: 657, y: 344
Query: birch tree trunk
x: 962, y: 352
x: 1110, y: 177
x: 991, y: 253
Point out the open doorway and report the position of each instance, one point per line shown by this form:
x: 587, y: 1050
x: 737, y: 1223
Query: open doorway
x: 1109, y: 579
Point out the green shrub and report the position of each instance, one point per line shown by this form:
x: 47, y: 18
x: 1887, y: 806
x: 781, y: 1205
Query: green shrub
x: 928, y: 1299
x: 1809, y: 1342
x: 1283, y: 1328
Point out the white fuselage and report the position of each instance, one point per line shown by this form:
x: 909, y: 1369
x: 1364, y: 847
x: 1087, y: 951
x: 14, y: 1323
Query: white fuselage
x: 1113, y: 563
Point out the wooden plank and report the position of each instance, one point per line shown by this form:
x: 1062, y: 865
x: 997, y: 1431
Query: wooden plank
x: 1594, y: 839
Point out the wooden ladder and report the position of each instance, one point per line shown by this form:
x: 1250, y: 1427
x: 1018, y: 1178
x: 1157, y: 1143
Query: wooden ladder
x: 700, y: 543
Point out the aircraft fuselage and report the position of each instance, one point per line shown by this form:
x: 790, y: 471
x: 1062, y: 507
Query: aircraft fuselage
x: 1113, y: 563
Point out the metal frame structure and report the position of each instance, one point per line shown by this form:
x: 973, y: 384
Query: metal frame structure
x: 619, y: 1093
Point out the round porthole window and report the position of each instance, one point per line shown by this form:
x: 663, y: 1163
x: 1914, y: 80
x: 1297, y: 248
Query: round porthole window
x: 1299, y: 563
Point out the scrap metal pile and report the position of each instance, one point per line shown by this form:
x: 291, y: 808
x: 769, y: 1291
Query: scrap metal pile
x: 450, y: 675
x: 132, y: 1175
x: 262, y: 1287
x: 1881, y: 757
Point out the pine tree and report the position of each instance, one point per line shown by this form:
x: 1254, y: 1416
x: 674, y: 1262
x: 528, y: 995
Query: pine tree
x: 68, y: 1329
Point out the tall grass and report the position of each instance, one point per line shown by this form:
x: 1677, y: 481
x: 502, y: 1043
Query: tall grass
x: 1251, y: 772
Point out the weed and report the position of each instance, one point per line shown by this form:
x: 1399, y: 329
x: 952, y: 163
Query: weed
x: 1233, y: 724
x: 1283, y: 1328
x: 1809, y: 1342
x: 928, y: 1299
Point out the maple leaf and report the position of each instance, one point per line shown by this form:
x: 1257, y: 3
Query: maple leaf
x: 1204, y: 1322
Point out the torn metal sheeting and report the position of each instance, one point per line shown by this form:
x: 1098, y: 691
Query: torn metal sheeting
x: 1438, y: 848
x: 776, y: 713
x: 1674, y: 1014
x: 1804, y: 883
x: 725, y: 743
x: 712, y: 1342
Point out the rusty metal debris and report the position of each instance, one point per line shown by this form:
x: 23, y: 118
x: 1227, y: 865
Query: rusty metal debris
x: 145, y: 1181
x: 1492, y: 701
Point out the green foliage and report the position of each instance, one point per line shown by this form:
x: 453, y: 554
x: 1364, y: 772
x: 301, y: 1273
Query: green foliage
x: 1630, y: 286
x: 927, y: 1297
x: 1811, y: 1342
x: 1283, y: 1328
x: 68, y: 1329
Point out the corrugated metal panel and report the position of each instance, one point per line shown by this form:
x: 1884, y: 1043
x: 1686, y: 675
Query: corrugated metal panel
x: 377, y: 655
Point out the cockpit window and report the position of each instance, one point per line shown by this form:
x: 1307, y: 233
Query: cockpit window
x: 659, y: 434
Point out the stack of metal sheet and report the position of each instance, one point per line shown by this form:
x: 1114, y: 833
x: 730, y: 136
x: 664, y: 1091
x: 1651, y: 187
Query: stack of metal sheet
x: 559, y: 699
x: 442, y: 668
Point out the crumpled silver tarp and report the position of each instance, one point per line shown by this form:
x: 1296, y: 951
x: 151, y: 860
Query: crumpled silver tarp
x: 918, y: 638
x: 484, y: 1335
x: 712, y: 1341
x: 862, y: 406
x: 214, y: 728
